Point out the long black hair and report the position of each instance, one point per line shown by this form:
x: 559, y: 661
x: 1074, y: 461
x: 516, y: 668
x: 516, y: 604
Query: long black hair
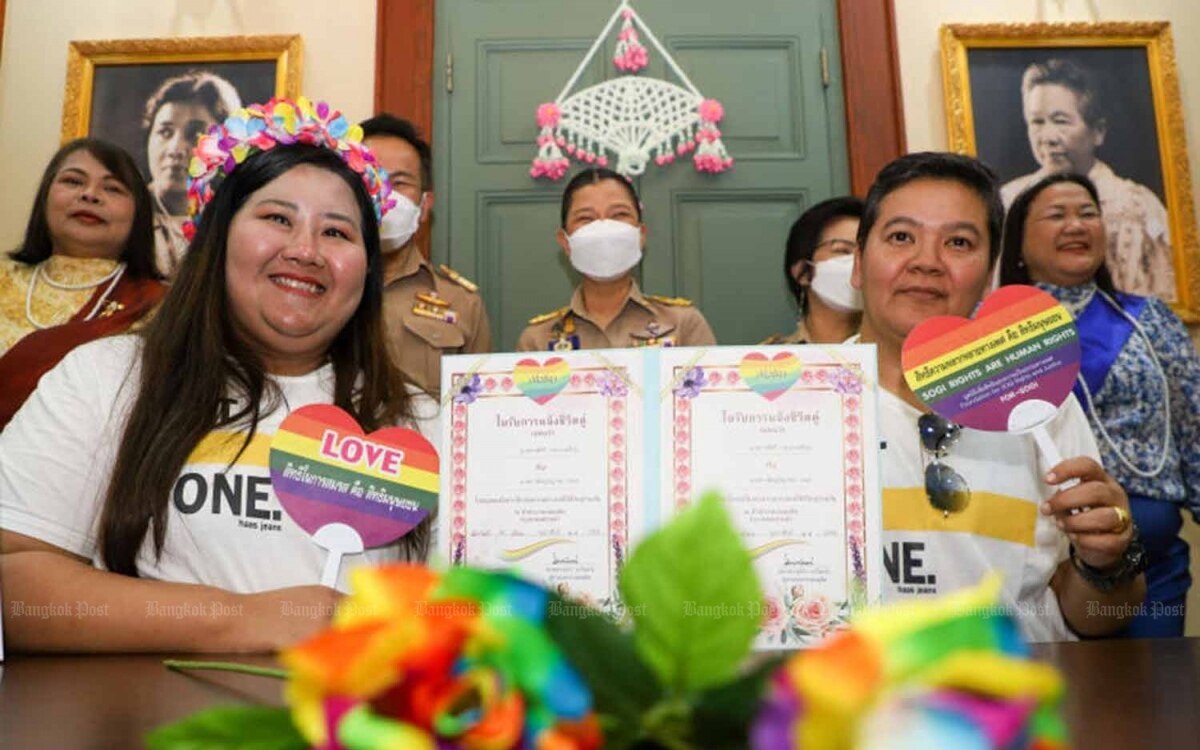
x: 138, y: 254
x: 1013, y: 269
x: 192, y: 358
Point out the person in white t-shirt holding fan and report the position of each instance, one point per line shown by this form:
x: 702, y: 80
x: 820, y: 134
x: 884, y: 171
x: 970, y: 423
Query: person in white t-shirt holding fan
x: 135, y: 480
x: 1070, y: 558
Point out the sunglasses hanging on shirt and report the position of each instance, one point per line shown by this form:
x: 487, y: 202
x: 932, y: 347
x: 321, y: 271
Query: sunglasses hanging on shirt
x: 946, y: 489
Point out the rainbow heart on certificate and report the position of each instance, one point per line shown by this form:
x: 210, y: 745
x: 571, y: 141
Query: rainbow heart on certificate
x: 541, y: 381
x: 324, y: 470
x: 1020, y: 347
x: 769, y: 378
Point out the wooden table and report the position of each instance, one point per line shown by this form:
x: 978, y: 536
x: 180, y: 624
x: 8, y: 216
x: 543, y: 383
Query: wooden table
x: 1130, y: 694
x: 1121, y: 694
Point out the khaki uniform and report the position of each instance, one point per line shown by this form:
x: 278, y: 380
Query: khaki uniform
x: 430, y: 313
x: 645, y: 320
x: 798, y: 336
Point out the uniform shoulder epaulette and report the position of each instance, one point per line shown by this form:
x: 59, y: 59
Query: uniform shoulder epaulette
x: 549, y: 316
x: 457, y: 278
x: 670, y: 301
x: 774, y: 338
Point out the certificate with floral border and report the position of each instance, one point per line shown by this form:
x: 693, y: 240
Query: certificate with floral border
x: 787, y: 435
x: 544, y: 466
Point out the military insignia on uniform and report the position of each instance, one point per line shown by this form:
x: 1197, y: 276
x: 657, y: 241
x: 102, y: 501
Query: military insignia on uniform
x: 548, y: 316
x: 565, y: 339
x: 457, y: 278
x: 433, y: 312
x: 654, y: 341
x: 670, y: 301
x: 432, y: 298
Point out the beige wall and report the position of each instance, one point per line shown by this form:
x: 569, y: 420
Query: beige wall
x: 339, y: 65
x: 917, y: 23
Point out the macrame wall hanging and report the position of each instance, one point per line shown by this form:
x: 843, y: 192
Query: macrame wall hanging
x: 635, y: 119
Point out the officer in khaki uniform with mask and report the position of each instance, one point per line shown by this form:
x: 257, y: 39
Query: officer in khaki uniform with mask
x: 603, y: 235
x: 818, y: 261
x: 429, y: 311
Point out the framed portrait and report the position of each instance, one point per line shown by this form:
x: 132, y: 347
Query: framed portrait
x: 1096, y: 98
x: 111, y: 83
x: 155, y: 97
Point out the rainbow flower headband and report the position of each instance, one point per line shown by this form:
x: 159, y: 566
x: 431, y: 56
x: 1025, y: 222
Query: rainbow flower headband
x: 261, y: 127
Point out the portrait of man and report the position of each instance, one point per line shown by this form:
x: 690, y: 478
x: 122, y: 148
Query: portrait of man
x: 157, y: 111
x: 1039, y: 111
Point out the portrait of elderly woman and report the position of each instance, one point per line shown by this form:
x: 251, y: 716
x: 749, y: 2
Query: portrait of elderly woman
x: 1044, y: 110
x: 1067, y: 124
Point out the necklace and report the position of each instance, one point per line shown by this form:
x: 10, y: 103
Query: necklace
x: 1166, y: 391
x: 112, y: 277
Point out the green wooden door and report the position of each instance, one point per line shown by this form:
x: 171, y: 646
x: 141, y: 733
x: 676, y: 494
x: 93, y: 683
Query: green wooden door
x: 717, y: 239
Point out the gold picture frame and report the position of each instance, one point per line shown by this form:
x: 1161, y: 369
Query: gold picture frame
x: 1133, y: 63
x: 272, y: 65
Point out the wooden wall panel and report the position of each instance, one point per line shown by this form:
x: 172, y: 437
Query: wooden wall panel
x: 404, y: 61
x: 870, y: 68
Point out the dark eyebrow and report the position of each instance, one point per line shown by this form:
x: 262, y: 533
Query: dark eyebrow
x: 898, y: 220
x: 949, y: 227
x: 328, y: 214
x: 965, y: 226
x: 72, y: 170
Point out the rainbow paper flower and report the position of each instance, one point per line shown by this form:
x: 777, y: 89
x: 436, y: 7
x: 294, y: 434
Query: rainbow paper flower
x: 950, y: 673
x: 421, y: 661
x: 260, y: 127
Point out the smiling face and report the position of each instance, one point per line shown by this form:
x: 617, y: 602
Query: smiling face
x: 1064, y: 236
x: 926, y: 255
x: 172, y: 137
x: 89, y: 211
x: 606, y: 199
x: 1062, y: 141
x: 295, y: 267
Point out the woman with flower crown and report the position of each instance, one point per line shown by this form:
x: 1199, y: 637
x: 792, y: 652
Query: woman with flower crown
x: 135, y: 480
x: 84, y: 270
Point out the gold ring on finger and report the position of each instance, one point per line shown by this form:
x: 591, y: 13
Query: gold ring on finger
x: 1123, y: 520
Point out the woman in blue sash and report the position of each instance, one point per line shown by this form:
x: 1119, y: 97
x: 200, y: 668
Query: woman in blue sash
x: 1139, y: 379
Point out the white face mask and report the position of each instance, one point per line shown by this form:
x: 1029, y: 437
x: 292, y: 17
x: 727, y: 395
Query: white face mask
x: 399, y: 224
x: 604, y: 250
x: 831, y: 282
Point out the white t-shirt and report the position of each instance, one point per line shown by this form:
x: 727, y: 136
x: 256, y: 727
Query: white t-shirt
x: 225, y: 527
x: 927, y: 554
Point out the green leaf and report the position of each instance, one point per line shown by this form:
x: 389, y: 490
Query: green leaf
x: 694, y: 597
x: 722, y: 716
x: 229, y: 727
x: 622, y: 687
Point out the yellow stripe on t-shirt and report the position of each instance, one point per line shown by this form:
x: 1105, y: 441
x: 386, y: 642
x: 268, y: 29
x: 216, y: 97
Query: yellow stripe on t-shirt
x: 1000, y: 517
x: 219, y: 447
